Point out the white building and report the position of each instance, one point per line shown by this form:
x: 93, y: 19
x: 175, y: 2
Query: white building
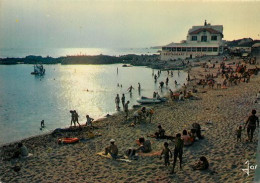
x: 201, y: 40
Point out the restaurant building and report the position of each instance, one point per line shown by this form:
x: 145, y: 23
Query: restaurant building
x: 201, y: 41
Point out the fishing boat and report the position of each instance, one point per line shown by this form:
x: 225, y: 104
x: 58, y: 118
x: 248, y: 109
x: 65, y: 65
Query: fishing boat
x: 38, y: 70
x: 146, y: 100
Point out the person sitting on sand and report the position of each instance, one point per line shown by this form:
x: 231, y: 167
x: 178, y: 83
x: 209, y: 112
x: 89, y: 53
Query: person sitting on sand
x: 239, y: 133
x: 89, y: 121
x: 203, y: 164
x: 251, y: 125
x: 21, y: 151
x: 112, y: 149
x: 181, y: 96
x: 131, y: 153
x: 194, y: 90
x: 188, y: 95
x: 167, y: 153
x: 145, y: 145
x: 196, y: 127
x: 160, y: 133
x: 186, y: 138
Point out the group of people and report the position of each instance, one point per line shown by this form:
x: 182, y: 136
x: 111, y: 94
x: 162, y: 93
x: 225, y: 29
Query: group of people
x: 180, y: 142
x: 251, y: 124
x: 75, y: 119
x: 131, y: 153
x: 125, y: 105
x: 143, y: 113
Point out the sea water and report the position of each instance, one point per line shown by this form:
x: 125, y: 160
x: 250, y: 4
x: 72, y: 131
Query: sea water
x: 26, y: 99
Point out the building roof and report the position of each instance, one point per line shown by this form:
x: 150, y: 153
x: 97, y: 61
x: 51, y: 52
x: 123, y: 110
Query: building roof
x: 212, y: 31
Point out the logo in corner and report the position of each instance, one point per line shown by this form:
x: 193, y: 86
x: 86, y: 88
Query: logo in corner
x: 249, y: 167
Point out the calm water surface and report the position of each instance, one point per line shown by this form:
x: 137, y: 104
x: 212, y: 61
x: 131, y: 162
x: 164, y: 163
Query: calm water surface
x: 26, y: 99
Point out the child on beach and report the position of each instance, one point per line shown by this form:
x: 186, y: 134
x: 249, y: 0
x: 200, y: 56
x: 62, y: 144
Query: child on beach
x: 167, y: 153
x: 89, y: 121
x: 239, y: 133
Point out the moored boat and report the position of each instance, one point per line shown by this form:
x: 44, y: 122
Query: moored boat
x: 38, y: 70
x: 146, y: 100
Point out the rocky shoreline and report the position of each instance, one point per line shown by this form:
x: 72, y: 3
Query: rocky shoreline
x: 152, y: 61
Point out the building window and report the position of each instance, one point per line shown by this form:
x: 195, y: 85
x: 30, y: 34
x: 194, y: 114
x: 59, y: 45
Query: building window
x: 221, y: 49
x: 163, y: 48
x: 193, y: 49
x: 198, y: 49
x: 215, y: 49
x: 183, y: 49
x: 173, y: 49
x: 203, y: 38
x: 204, y: 49
x: 178, y: 49
x: 189, y: 49
x: 194, y: 38
x: 209, y: 49
x: 214, y: 38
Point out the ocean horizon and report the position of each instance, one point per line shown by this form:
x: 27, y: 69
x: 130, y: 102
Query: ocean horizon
x: 59, y: 52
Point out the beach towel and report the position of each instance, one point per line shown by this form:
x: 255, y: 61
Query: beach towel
x: 108, y: 156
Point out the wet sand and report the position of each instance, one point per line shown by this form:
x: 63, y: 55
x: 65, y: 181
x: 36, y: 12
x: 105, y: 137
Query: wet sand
x: 226, y: 108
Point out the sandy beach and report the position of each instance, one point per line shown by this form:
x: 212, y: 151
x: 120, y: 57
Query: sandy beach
x: 226, y: 108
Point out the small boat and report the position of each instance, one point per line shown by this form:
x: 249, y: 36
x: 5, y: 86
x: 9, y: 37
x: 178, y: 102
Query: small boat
x: 68, y: 140
x: 38, y: 70
x: 146, y: 100
x: 126, y: 65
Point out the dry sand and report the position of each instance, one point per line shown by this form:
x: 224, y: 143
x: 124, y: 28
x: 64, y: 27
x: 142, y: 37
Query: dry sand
x: 226, y: 108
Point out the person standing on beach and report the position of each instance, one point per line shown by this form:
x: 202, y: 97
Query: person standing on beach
x: 167, y: 153
x: 239, y: 133
x: 126, y: 109
x: 76, y: 118
x: 72, y: 118
x: 117, y: 101
x: 167, y: 81
x: 251, y: 125
x: 178, y: 151
x: 123, y: 100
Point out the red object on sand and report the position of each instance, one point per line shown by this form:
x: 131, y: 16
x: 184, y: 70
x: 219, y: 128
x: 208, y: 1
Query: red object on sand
x: 68, y: 140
